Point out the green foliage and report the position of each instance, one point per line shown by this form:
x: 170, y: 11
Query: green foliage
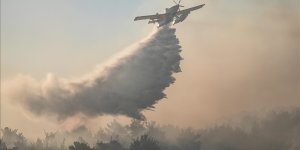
x: 144, y: 143
x: 13, y: 137
x: 278, y: 131
x: 112, y: 145
x: 2, y: 145
x: 80, y: 146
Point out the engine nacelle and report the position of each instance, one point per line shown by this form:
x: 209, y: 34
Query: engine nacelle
x: 152, y: 21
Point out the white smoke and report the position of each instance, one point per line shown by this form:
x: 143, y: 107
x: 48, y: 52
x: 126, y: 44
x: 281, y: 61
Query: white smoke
x: 127, y: 85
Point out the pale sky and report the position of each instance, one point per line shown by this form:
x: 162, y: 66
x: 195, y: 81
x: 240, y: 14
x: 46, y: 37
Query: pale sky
x: 239, y: 56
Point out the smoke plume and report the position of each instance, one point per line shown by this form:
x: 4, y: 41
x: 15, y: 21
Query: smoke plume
x: 127, y: 85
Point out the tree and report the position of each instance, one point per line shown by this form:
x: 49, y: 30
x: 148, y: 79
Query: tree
x: 13, y: 137
x: 144, y: 143
x: 189, y: 139
x: 2, y: 145
x: 39, y: 144
x: 50, y: 139
x: 79, y: 146
x: 136, y: 128
x: 112, y: 145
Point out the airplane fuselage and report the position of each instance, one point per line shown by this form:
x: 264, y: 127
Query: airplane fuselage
x: 170, y: 15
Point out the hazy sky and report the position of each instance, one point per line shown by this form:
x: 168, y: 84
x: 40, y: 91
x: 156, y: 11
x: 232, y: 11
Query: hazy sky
x: 239, y: 56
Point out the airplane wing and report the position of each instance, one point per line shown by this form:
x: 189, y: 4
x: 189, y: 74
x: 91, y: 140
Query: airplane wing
x: 186, y: 11
x: 151, y: 17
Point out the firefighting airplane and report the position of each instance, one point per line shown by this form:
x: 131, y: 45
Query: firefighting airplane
x: 173, y: 14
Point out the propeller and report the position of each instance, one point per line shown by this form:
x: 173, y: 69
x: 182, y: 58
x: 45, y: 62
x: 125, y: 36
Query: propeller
x: 175, y: 2
x: 178, y: 3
